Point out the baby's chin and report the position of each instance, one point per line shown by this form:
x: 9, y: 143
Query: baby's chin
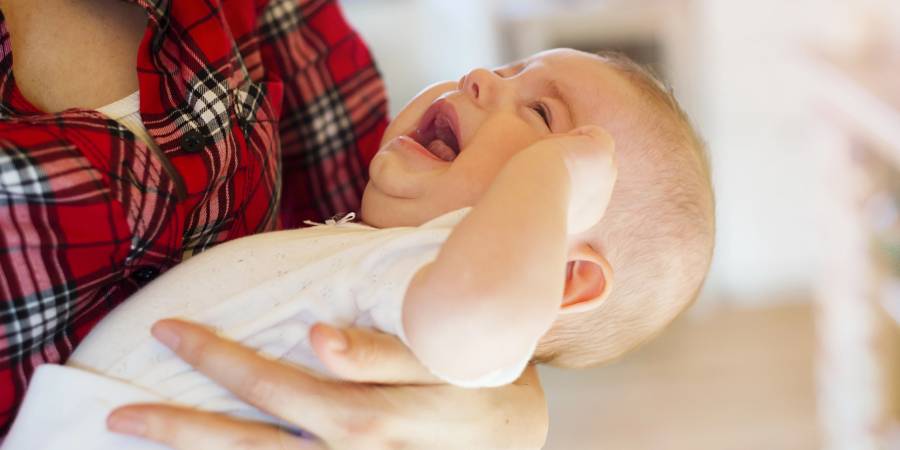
x: 382, y: 211
x: 393, y: 176
x: 369, y: 212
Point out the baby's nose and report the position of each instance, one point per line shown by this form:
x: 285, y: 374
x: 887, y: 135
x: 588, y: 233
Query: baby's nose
x: 479, y: 84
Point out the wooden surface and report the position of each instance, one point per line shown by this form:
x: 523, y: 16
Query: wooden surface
x: 733, y: 380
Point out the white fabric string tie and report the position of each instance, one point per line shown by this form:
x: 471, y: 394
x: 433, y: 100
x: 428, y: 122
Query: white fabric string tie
x: 347, y: 218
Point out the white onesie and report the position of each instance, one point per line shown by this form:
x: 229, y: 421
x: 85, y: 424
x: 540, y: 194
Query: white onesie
x: 265, y: 291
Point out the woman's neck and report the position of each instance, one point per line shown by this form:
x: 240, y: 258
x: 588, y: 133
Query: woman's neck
x: 74, y: 53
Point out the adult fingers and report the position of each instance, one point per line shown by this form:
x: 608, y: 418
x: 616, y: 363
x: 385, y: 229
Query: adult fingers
x: 367, y: 356
x: 367, y: 416
x: 285, y: 391
x: 447, y: 417
x: 525, y: 418
x: 187, y: 429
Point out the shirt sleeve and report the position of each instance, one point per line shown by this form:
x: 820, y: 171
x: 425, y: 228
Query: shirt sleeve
x: 334, y: 108
x: 64, y: 242
x: 389, y: 274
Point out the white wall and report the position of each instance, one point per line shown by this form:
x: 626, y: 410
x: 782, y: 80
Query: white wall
x: 753, y: 116
x: 419, y: 42
x: 759, y: 118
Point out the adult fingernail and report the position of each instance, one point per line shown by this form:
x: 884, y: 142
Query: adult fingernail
x: 337, y: 339
x: 127, y: 422
x: 165, y: 333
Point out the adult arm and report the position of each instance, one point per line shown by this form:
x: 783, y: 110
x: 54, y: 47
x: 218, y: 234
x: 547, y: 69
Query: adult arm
x: 65, y: 232
x: 334, y: 110
x: 64, y: 249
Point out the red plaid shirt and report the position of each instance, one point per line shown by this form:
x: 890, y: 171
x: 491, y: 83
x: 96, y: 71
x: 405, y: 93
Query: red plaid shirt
x: 267, y: 112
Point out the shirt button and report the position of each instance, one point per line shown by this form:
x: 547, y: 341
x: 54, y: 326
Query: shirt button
x: 145, y: 274
x: 192, y: 142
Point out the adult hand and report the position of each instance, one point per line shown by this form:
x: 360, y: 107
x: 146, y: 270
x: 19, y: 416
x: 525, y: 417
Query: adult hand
x: 385, y: 400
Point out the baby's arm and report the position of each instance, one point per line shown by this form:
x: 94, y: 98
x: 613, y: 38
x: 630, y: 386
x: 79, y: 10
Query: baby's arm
x: 497, y: 283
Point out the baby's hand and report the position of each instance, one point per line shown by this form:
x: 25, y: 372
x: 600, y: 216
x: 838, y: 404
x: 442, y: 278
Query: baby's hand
x: 589, y: 154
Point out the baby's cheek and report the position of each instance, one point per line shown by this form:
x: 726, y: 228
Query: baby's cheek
x: 493, y: 154
x: 512, y: 138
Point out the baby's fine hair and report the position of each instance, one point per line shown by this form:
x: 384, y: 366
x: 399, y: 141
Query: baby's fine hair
x: 658, y: 230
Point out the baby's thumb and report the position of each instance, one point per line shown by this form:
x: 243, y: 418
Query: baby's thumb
x: 590, y: 159
x: 590, y: 153
x: 592, y: 130
x: 592, y: 139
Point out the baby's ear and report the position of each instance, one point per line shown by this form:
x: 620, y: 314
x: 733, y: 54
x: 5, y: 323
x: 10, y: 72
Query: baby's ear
x: 588, y: 280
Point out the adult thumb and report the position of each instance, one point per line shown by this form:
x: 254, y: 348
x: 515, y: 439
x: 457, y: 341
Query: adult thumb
x: 366, y: 356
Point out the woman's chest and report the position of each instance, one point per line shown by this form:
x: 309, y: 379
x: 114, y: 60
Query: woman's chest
x: 74, y: 54
x: 212, y: 172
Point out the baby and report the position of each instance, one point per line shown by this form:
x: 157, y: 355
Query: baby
x: 502, y: 226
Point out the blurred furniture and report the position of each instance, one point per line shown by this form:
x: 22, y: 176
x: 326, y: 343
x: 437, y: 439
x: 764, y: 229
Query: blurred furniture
x: 652, y: 32
x: 859, y: 294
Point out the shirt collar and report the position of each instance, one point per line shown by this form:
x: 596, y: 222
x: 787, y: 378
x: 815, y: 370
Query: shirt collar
x: 156, y: 9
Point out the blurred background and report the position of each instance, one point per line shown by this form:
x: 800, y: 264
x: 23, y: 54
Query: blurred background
x: 794, y: 343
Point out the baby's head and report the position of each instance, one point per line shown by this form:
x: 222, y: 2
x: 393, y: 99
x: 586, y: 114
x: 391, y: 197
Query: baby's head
x: 648, y: 256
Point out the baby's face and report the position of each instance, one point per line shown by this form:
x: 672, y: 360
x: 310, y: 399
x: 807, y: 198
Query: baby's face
x: 446, y: 146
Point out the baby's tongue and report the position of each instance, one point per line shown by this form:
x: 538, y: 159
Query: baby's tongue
x: 441, y: 150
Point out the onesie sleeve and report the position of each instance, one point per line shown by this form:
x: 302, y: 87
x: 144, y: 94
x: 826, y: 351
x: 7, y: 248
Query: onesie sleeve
x: 389, y: 272
x: 65, y: 408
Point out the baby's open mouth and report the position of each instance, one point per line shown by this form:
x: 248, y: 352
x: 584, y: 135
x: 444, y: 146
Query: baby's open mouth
x: 438, y: 131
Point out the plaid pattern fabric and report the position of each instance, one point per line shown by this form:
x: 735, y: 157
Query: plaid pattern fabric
x: 266, y: 112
